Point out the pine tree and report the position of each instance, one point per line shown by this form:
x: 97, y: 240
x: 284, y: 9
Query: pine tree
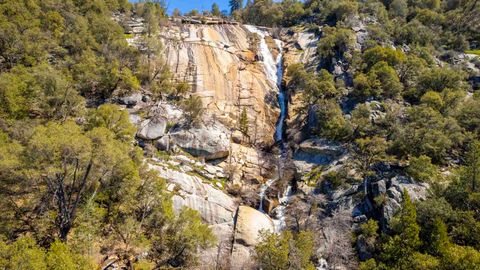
x: 399, y: 249
x: 244, y: 122
x: 409, y: 229
x: 216, y: 10
x: 439, y: 237
x: 235, y: 5
x: 473, y: 165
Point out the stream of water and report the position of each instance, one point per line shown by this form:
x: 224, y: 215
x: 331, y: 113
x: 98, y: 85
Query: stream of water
x: 274, y: 70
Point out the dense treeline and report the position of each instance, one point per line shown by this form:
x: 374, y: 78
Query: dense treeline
x: 404, y: 21
x: 396, y: 95
x: 73, y: 185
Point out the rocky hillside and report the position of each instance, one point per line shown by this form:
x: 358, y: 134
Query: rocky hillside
x: 340, y: 135
x: 214, y: 167
x: 226, y: 175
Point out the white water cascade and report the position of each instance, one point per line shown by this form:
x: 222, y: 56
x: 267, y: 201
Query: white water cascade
x: 280, y: 221
x: 269, y: 63
x: 263, y: 189
x: 274, y: 70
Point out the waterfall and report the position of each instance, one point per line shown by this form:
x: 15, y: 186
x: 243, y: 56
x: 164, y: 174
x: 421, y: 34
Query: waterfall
x: 263, y: 189
x: 280, y: 221
x: 274, y: 71
x: 269, y: 63
x: 282, y: 101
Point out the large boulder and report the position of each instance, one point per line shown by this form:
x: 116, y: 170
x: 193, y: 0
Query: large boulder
x: 249, y: 224
x: 394, y: 198
x: 314, y: 152
x: 152, y: 129
x: 131, y: 100
x: 214, y: 206
x: 172, y: 113
x: 208, y: 142
x: 319, y: 150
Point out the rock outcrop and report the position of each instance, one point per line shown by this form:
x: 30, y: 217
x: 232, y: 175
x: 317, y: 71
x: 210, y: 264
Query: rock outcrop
x: 219, y: 63
x: 214, y: 206
x: 314, y: 152
x: 152, y: 129
x: 210, y: 142
x: 248, y: 225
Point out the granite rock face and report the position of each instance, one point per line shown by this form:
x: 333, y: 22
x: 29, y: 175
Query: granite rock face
x: 210, y: 142
x: 219, y: 62
x: 249, y: 224
x: 152, y: 129
x: 214, y: 206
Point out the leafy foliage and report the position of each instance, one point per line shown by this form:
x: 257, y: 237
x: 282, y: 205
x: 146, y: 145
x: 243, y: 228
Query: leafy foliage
x: 285, y: 250
x: 72, y: 183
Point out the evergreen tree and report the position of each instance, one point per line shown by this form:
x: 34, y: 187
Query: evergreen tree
x: 216, y: 10
x: 176, y: 13
x: 472, y: 170
x: 285, y: 251
x: 368, y: 151
x: 193, y: 108
x: 399, y: 249
x: 421, y: 169
x: 439, y: 238
x: 407, y: 225
x: 244, y: 122
x: 235, y: 5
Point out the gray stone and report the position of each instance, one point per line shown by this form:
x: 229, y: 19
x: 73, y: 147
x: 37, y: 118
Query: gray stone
x: 360, y: 219
x: 208, y: 142
x: 214, y: 206
x: 211, y: 169
x: 163, y: 143
x: 221, y: 175
x: 394, y: 194
x: 186, y: 168
x: 135, y: 119
x: 184, y: 159
x: 131, y: 100
x: 152, y: 129
x: 173, y: 163
x: 318, y: 151
x: 379, y: 188
x: 390, y: 208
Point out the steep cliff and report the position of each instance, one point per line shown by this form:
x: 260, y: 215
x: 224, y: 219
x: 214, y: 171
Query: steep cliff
x: 219, y: 62
x: 212, y: 167
x: 243, y: 183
